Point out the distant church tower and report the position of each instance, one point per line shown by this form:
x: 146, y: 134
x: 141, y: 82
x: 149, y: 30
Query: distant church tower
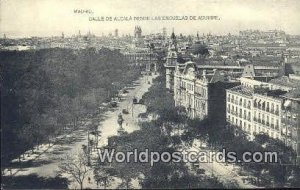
x: 116, y: 33
x: 137, y: 32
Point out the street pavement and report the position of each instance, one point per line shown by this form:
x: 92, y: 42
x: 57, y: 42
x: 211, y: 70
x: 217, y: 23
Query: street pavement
x: 46, y: 160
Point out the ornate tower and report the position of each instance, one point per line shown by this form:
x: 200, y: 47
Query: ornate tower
x: 171, y: 62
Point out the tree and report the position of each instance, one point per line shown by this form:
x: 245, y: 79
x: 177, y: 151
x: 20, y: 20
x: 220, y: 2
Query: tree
x: 76, y: 167
x: 102, y: 175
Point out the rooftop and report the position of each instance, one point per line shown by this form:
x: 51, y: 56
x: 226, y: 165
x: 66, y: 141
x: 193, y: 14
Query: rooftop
x: 293, y: 94
x: 285, y: 81
x: 271, y: 93
x: 243, y: 90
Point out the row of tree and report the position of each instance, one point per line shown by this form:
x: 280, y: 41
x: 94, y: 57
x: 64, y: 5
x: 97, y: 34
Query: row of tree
x: 160, y: 175
x: 173, y: 119
x: 44, y: 92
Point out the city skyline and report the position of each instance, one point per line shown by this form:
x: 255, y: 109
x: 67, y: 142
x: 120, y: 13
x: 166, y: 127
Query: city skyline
x: 51, y: 18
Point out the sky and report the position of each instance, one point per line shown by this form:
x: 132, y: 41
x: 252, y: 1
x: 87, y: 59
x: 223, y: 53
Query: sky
x: 25, y: 18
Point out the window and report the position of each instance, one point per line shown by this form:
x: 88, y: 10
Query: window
x: 263, y: 106
x: 277, y: 110
x: 272, y: 107
x: 272, y: 122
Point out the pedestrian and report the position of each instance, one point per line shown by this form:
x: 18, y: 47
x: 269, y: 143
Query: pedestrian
x: 89, y: 179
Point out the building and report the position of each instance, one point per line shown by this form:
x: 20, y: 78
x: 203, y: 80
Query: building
x: 202, y: 94
x: 171, y: 62
x: 266, y: 107
x: 116, y: 33
x: 142, y: 57
x: 137, y: 32
x: 290, y: 120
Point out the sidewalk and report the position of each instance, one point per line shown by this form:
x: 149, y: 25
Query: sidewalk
x: 109, y: 127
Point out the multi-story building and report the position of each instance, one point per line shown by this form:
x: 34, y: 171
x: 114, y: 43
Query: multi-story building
x: 239, y: 105
x: 266, y: 107
x: 201, y: 93
x: 290, y: 121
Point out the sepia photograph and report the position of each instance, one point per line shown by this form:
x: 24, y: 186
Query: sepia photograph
x: 150, y: 94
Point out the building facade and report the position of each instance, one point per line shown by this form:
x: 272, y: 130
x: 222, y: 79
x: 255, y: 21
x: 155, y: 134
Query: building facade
x: 259, y: 107
x: 201, y: 93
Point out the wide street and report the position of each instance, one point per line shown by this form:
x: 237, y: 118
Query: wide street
x: 46, y: 163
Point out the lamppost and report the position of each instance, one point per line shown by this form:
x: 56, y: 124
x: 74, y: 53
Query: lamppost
x: 86, y: 151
